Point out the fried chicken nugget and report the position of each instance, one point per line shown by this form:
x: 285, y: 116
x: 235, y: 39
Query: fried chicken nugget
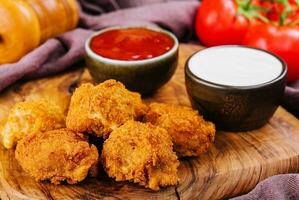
x: 190, y: 133
x: 29, y: 117
x: 58, y: 155
x: 101, y: 109
x: 141, y: 153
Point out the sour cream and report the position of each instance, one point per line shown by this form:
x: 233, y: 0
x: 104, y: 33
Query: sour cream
x: 235, y: 66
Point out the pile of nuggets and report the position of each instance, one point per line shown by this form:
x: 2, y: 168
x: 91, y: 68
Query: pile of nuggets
x: 142, y: 142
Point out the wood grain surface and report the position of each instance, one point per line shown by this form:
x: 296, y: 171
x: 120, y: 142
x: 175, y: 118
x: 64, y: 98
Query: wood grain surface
x: 234, y: 165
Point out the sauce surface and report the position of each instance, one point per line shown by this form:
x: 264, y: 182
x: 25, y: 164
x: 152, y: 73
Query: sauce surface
x: 131, y: 44
x: 235, y: 66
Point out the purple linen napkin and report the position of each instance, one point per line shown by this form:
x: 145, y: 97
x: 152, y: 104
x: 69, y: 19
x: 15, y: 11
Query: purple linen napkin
x: 291, y: 98
x: 60, y: 53
x: 278, y: 187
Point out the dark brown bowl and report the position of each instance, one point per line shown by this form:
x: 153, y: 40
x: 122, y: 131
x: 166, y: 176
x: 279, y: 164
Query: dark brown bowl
x: 236, y: 108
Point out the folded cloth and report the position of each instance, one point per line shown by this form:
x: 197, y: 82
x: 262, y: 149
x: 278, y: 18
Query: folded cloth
x: 58, y: 54
x: 278, y: 187
x: 291, y: 98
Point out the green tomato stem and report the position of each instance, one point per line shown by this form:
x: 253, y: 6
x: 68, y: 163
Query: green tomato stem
x: 250, y: 11
x: 287, y: 9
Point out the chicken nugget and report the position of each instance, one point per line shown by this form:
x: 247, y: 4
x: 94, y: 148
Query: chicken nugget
x: 58, y: 155
x: 29, y: 117
x: 141, y: 153
x: 191, y: 134
x: 101, y: 109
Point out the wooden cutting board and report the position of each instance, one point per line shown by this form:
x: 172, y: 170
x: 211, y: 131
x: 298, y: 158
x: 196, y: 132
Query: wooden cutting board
x: 234, y: 165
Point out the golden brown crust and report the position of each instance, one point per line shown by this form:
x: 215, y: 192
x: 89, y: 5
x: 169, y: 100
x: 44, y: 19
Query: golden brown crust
x: 29, y: 117
x: 190, y: 133
x: 141, y: 153
x: 102, y: 108
x: 56, y: 156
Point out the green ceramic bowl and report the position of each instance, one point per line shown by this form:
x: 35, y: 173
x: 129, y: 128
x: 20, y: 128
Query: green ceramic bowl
x: 143, y: 76
x: 236, y: 108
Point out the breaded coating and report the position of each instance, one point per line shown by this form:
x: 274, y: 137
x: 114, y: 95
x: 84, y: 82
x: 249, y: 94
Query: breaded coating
x: 190, y: 133
x: 29, y: 117
x: 58, y: 155
x: 141, y: 153
x: 101, y: 109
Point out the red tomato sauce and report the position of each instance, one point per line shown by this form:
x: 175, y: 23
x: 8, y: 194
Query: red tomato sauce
x: 131, y: 44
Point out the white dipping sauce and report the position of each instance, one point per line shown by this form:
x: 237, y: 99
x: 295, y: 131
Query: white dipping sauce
x: 235, y: 66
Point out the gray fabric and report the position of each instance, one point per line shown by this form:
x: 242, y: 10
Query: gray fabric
x: 278, y: 187
x: 58, y: 54
x: 291, y: 98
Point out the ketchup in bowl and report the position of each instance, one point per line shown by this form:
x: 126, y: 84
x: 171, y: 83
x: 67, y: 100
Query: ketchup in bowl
x: 142, y: 58
x: 131, y: 44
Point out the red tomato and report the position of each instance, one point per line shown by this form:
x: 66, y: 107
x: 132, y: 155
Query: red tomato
x: 270, y: 25
x: 218, y: 23
x: 281, y: 40
x: 275, y: 9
